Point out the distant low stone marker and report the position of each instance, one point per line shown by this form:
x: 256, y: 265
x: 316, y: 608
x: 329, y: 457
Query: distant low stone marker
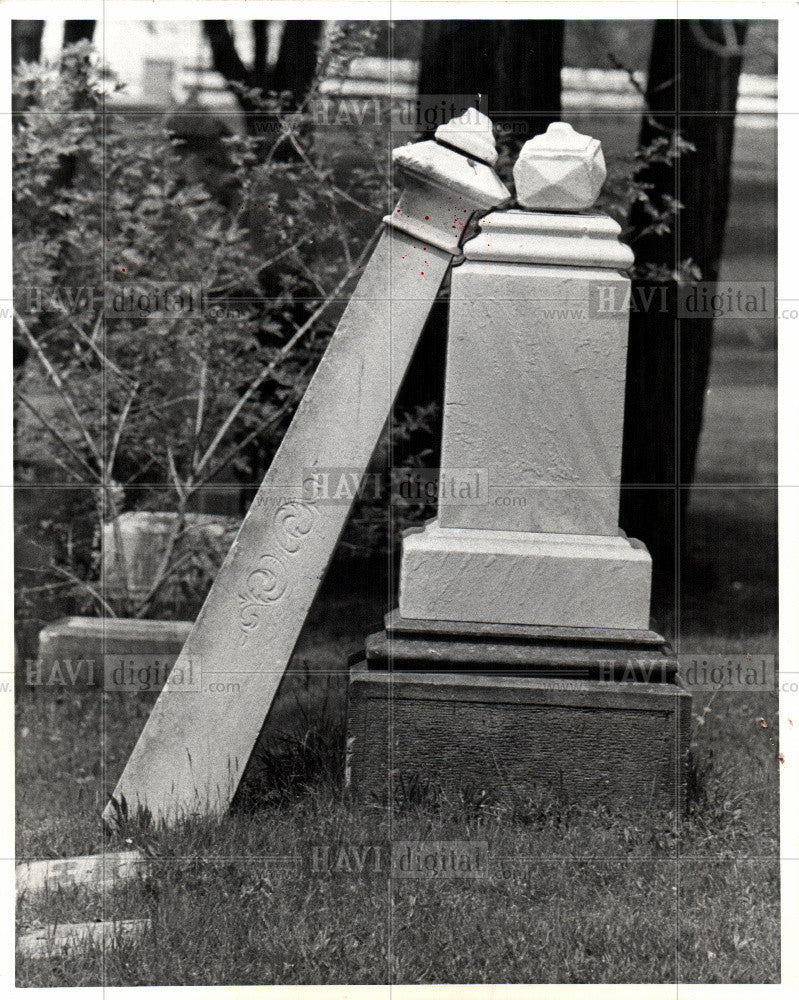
x: 66, y: 939
x: 193, y: 750
x: 96, y: 871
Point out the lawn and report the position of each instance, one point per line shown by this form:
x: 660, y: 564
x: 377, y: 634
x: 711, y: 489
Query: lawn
x: 569, y: 893
x: 574, y: 893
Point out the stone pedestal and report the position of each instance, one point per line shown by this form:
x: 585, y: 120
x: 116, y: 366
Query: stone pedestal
x: 586, y: 653
x: 624, y: 743
x: 534, y: 400
x: 517, y: 709
x: 521, y: 654
x: 524, y: 577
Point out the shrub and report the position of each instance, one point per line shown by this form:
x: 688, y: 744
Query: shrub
x: 145, y: 411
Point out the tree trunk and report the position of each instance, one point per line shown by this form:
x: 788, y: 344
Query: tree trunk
x: 78, y: 31
x: 260, y: 47
x: 514, y: 65
x: 26, y: 41
x: 224, y: 56
x: 691, y: 91
x: 296, y: 62
x: 293, y: 72
x: 26, y: 46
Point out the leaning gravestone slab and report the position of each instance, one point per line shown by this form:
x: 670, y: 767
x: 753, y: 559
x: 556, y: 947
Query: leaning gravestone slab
x: 193, y: 750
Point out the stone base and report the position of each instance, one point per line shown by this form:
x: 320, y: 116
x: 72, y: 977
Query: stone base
x: 592, y: 713
x: 83, y: 643
x: 515, y: 577
x: 624, y: 743
x: 634, y: 639
x: 528, y: 650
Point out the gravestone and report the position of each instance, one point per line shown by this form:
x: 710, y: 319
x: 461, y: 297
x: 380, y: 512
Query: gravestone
x: 80, y: 650
x: 195, y: 745
x: 135, y: 541
x: 521, y: 654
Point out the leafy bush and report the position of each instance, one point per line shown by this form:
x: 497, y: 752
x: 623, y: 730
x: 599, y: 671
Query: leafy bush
x: 147, y: 410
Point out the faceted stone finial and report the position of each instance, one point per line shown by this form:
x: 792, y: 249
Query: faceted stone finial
x: 473, y: 134
x: 560, y: 170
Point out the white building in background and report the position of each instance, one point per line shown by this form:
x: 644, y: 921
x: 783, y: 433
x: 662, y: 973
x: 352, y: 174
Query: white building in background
x: 163, y: 63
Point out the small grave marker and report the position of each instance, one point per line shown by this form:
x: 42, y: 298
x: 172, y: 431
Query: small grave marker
x: 65, y: 939
x: 96, y: 871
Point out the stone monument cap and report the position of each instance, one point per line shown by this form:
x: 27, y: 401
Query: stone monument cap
x: 471, y: 133
x: 561, y: 170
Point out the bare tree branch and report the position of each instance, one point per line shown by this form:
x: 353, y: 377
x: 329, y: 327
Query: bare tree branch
x: 284, y: 350
x: 54, y: 432
x: 62, y: 389
x: 84, y: 586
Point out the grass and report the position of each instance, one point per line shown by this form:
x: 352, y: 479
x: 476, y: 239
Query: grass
x: 572, y: 893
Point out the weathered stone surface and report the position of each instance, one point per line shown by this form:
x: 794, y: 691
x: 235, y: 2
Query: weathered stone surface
x: 636, y: 639
x: 195, y: 745
x: 622, y: 743
x: 560, y: 169
x: 471, y: 133
x: 535, y: 395
x: 134, y: 545
x: 89, y: 640
x: 98, y: 872
x: 585, y: 581
x: 67, y: 939
x: 590, y: 241
x: 534, y: 400
x: 539, y: 659
x: 442, y: 190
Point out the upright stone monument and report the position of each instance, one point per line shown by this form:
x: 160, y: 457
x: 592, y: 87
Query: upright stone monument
x: 521, y: 652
